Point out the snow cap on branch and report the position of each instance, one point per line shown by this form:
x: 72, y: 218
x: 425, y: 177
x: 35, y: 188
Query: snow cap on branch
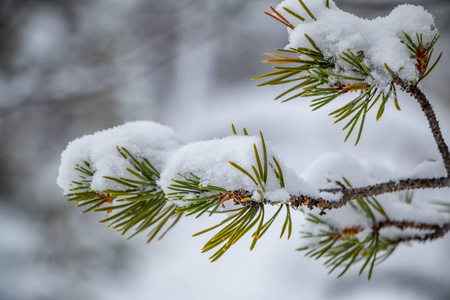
x: 147, y: 139
x: 210, y: 161
x: 380, y: 40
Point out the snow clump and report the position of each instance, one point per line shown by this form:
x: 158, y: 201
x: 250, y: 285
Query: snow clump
x: 142, y: 139
x: 379, y: 40
x: 210, y: 161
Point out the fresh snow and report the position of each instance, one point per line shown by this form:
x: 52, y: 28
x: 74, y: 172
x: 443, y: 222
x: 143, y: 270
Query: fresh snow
x: 393, y: 233
x: 336, y: 31
x: 143, y: 139
x: 209, y: 160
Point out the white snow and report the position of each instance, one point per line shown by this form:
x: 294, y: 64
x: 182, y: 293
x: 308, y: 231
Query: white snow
x: 280, y: 195
x: 333, y: 166
x: 336, y: 31
x: 344, y: 217
x: 394, y: 233
x: 415, y: 211
x: 428, y: 169
x: 143, y: 139
x: 210, y: 161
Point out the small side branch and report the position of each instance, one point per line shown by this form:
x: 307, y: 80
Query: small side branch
x: 347, y: 193
x: 427, y: 109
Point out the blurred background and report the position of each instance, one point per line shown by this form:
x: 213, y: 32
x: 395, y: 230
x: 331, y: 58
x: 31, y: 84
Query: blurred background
x: 70, y: 68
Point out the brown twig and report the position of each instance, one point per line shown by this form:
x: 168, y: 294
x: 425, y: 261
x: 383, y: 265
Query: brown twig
x: 389, y: 187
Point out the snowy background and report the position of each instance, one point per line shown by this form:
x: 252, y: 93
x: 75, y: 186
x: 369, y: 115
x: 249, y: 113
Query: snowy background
x: 70, y: 68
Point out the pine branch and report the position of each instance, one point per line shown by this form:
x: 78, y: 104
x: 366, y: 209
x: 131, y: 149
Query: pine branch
x: 139, y: 204
x: 327, y: 76
x: 142, y: 202
x: 348, y: 194
x: 344, y: 246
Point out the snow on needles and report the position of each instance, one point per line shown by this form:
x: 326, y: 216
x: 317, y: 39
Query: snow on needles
x: 146, y: 139
x: 209, y: 161
x: 336, y: 31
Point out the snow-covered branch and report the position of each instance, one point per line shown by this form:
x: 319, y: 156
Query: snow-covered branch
x: 144, y: 176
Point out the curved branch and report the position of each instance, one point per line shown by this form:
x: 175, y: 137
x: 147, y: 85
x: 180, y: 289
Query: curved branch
x: 407, y: 184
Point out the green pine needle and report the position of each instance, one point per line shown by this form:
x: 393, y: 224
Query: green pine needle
x: 307, y: 10
x: 342, y: 247
x: 138, y: 205
x: 294, y: 14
